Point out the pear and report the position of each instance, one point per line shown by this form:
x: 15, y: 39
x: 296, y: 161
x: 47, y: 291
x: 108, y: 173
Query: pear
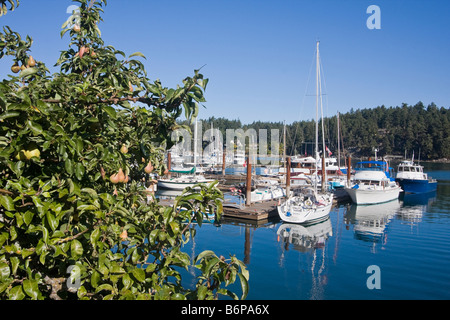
x: 15, y: 68
x: 124, y: 149
x: 121, y: 175
x: 31, y: 62
x: 28, y: 154
x: 114, y: 178
x: 76, y: 28
x: 124, y: 235
x: 148, y: 168
x: 82, y: 51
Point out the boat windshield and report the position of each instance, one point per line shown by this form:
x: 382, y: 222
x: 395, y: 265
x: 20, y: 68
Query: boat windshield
x: 371, y: 165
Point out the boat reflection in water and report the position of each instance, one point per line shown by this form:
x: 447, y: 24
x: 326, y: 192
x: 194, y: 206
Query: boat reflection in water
x: 308, y: 239
x: 370, y: 221
x: 305, y: 238
x: 414, y: 205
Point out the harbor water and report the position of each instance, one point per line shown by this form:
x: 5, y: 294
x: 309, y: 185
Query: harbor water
x: 396, y: 250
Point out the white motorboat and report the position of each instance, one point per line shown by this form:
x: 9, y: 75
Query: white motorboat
x: 372, y: 183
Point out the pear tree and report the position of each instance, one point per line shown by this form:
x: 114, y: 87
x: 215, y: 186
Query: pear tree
x: 76, y: 150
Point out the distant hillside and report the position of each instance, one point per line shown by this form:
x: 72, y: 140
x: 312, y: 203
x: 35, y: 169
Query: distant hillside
x: 391, y: 130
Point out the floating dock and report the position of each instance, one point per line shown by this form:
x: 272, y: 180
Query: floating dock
x: 256, y: 211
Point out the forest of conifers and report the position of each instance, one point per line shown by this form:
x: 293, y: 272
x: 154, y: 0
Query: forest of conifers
x: 424, y: 130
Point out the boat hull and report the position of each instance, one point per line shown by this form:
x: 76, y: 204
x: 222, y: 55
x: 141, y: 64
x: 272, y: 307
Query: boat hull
x: 291, y: 213
x: 362, y: 196
x: 179, y: 185
x: 417, y: 186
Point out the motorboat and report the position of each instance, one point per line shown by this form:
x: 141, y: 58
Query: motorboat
x: 412, y: 179
x: 372, y: 183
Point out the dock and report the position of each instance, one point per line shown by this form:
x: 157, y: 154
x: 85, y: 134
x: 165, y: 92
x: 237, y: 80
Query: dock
x: 253, y: 211
x: 256, y: 211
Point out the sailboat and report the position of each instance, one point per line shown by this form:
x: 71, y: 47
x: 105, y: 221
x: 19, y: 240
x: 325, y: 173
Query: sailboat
x: 311, y: 206
x: 186, y: 177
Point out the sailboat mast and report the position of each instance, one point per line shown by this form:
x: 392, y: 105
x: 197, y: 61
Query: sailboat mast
x: 338, y: 142
x: 195, y: 143
x: 317, y: 103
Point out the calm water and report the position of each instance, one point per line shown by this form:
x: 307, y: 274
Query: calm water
x: 408, y: 239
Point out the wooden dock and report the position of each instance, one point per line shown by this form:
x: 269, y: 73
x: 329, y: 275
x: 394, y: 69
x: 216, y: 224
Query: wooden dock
x: 256, y: 211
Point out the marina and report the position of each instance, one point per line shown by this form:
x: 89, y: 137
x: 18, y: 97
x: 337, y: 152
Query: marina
x: 194, y: 156
x: 408, y: 239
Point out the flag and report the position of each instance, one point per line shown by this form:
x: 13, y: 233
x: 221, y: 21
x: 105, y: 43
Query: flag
x: 329, y: 152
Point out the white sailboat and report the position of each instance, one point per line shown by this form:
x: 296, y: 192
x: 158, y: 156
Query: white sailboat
x: 311, y: 206
x: 186, y: 178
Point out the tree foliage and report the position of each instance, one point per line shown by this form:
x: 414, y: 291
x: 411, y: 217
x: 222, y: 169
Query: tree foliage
x: 391, y: 130
x: 68, y: 228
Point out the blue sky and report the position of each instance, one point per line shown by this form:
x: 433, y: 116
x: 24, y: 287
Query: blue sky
x: 258, y: 53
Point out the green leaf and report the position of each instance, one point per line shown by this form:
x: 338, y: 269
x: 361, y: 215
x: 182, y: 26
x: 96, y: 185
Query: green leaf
x: 195, y: 196
x: 244, y: 286
x: 52, y: 221
x: 95, y: 235
x: 201, y: 292
x: 177, y: 296
x: 110, y: 111
x: 28, y: 72
x: 105, y: 286
x: 139, y: 274
x: 95, y: 279
x: 91, y: 192
x: 7, y: 202
x: 16, y: 293
x: 68, y: 166
x: 79, y: 171
x: 211, y: 264
x: 152, y: 237
x: 31, y: 288
x: 76, y: 249
x: 4, y: 271
x: 137, y: 54
x: 36, y: 128
x: 9, y: 114
x: 204, y: 254
x: 175, y: 227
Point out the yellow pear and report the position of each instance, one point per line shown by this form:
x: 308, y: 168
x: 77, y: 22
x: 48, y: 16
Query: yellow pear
x: 31, y: 62
x: 148, y: 168
x: 114, y: 178
x: 121, y: 175
x: 15, y: 68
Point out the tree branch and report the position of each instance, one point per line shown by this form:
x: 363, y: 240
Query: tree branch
x: 145, y: 100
